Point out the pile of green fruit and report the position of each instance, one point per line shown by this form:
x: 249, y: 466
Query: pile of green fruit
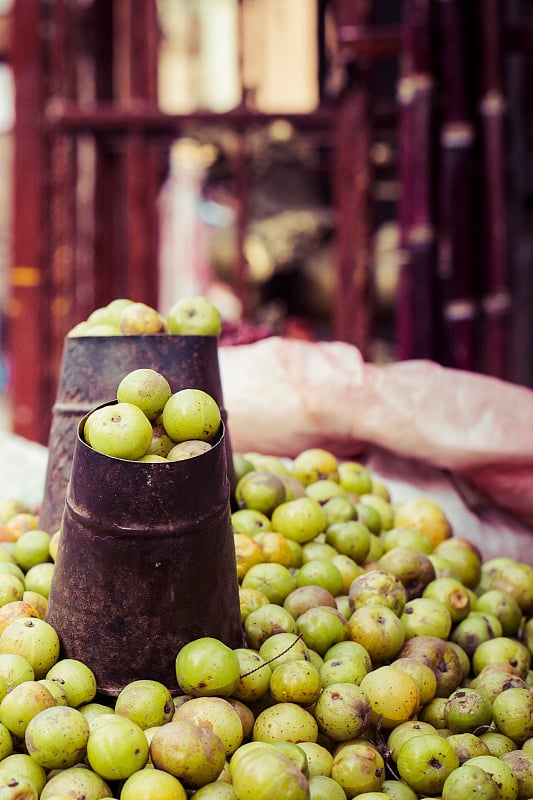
x: 189, y: 316
x: 383, y: 660
x: 150, y: 423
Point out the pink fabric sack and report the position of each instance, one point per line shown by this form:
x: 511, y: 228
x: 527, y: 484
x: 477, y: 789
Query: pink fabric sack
x: 417, y: 421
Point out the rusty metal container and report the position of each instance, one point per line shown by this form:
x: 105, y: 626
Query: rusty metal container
x: 91, y: 369
x: 146, y: 563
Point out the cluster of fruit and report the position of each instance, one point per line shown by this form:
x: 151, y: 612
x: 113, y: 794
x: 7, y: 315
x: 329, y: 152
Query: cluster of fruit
x: 383, y: 660
x: 188, y: 316
x: 150, y: 423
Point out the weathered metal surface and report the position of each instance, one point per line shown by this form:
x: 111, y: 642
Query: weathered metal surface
x: 91, y: 369
x: 146, y: 563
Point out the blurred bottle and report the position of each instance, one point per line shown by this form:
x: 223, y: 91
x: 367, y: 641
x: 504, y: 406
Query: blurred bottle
x: 184, y: 269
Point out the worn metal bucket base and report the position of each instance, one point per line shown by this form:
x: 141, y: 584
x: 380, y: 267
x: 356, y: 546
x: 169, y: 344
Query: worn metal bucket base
x: 91, y: 369
x: 145, y: 564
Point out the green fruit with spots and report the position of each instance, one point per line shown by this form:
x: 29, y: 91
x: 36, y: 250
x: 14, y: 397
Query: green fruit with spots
x: 33, y: 639
x: 441, y: 656
x: 477, y: 627
x: 300, y: 519
x: 425, y: 762
x: 77, y: 782
x: 57, y: 737
x: 517, y: 579
x: 500, y: 773
x: 339, y: 509
x: 16, y: 787
x: 6, y: 742
x: 194, y: 316
x: 521, y: 764
x: 319, y: 572
x: 513, y: 714
x: 281, y: 648
x: 468, y: 745
x: 413, y: 568
x: 452, y: 594
x: 274, y: 580
x: 323, y: 490
x: 504, y: 606
x: 354, y: 477
x: 315, y: 464
x: 305, y: 597
x: 14, y: 669
x: 323, y: 788
x: 191, y: 414
x: 343, y: 711
x: 147, y: 702
x: 426, y: 616
x: 23, y: 765
x: 321, y: 627
x: 358, y: 767
x: 262, y: 772
x: 502, y: 650
x: 195, y: 755
x: 467, y: 710
x: 255, y: 674
x: 206, y: 667
x: 378, y: 630
x: 267, y: 620
x: 118, y: 430
x: 217, y: 790
x: 404, y: 731
x: 344, y: 669
x: 295, y: 682
x: 152, y: 784
x: 398, y: 790
x: 146, y: 389
x: 497, y: 743
x: 351, y: 538
x: 33, y: 547
x: 218, y: 715
x: 285, y: 722
x: 22, y: 704
x: 76, y: 678
x: 492, y: 680
x: 470, y: 781
x: 378, y: 586
x: 250, y: 521
x: 260, y: 491
x: 465, y: 556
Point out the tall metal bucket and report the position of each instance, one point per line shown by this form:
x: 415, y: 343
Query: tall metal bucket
x: 91, y: 369
x: 145, y: 564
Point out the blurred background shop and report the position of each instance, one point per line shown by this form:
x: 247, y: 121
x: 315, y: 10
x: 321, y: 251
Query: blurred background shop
x: 328, y: 169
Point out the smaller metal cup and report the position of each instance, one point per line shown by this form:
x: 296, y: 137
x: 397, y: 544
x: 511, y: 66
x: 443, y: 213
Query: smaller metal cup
x: 145, y: 564
x: 91, y: 369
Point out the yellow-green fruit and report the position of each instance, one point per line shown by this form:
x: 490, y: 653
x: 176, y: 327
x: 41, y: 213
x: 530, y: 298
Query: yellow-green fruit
x: 119, y: 430
x: 145, y: 388
x: 152, y: 784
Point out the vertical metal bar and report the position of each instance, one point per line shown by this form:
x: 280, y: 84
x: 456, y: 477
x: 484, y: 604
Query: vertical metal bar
x: 416, y: 303
x: 457, y: 254
x: 520, y: 232
x: 28, y: 306
x: 497, y: 300
x: 242, y: 286
x: 351, y: 313
x: 138, y: 52
x: 62, y: 190
x: 352, y: 187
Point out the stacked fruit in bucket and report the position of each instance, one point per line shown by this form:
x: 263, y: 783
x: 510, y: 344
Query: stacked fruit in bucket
x: 381, y: 657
